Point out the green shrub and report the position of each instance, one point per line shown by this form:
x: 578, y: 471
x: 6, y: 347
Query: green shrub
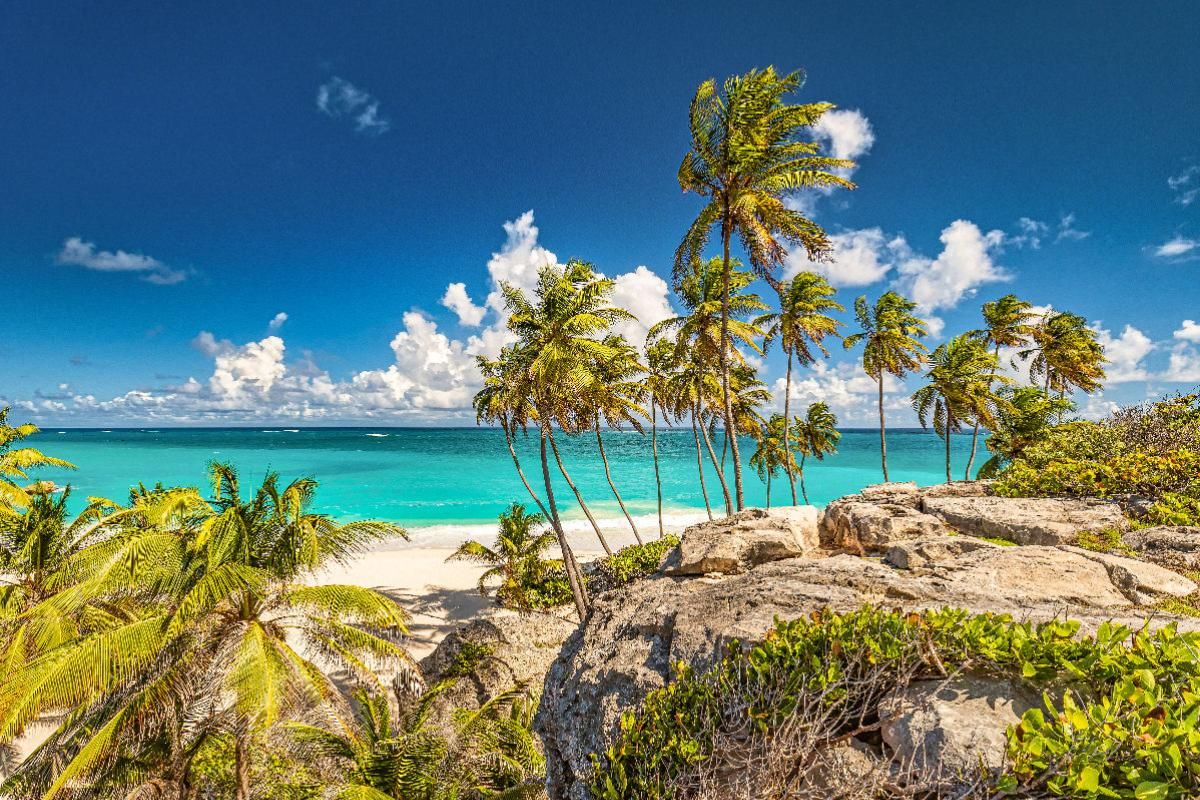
x: 633, y: 562
x: 549, y: 590
x: 1136, y: 731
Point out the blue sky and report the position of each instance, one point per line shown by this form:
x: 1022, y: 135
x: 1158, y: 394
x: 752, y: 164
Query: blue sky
x: 173, y: 178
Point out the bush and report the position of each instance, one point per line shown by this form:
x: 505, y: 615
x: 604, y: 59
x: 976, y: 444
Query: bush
x: 632, y: 562
x: 1127, y: 726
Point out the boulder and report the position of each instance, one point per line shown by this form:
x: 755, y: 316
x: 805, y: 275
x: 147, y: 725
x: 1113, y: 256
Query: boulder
x: 859, y: 526
x: 1175, y: 547
x: 1027, y: 520
x: 1140, y: 581
x: 490, y: 655
x: 917, y: 553
x: 938, y: 732
x: 746, y: 540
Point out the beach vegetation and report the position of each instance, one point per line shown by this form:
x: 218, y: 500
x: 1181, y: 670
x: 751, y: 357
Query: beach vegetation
x: 815, y: 434
x: 517, y: 569
x: 17, y: 461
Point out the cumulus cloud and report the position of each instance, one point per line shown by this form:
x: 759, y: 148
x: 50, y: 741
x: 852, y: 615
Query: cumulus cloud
x: 1189, y: 331
x: 1183, y: 366
x: 965, y: 263
x: 859, y: 258
x: 76, y: 252
x: 850, y: 393
x: 1186, y: 185
x: 457, y: 300
x: 340, y: 98
x: 845, y: 133
x: 277, y: 321
x: 1177, y: 248
x: 645, y: 295
x: 1124, y: 353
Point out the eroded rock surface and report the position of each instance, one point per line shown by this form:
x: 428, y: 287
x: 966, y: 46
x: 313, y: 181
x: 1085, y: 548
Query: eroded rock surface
x: 1026, y: 520
x: 1175, y: 547
x: 746, y: 540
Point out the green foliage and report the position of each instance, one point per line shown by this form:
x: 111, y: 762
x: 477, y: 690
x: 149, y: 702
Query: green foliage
x: 633, y: 562
x: 16, y: 463
x: 1129, y: 720
x: 526, y: 580
x: 1105, y: 541
x: 469, y: 656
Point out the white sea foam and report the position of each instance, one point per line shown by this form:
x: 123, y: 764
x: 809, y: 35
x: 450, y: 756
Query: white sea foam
x: 380, y: 435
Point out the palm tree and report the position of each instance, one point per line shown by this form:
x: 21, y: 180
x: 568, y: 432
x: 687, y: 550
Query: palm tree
x: 890, y: 333
x: 816, y: 435
x: 1025, y: 418
x: 615, y: 399
x: 1065, y: 354
x: 802, y: 324
x: 718, y: 321
x: 770, y: 454
x: 225, y: 598
x: 1007, y: 322
x: 746, y: 157
x: 559, y: 344
x: 15, y: 463
x: 961, y: 373
x: 689, y: 387
x: 659, y: 364
x: 516, y: 557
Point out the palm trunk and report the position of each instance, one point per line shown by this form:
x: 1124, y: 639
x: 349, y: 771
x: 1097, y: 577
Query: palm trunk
x: 241, y: 765
x: 949, y: 426
x: 613, y: 486
x: 587, y: 512
x: 654, y: 448
x: 574, y: 575
x: 724, y: 449
x: 730, y: 424
x: 882, y: 430
x: 768, y: 489
x: 700, y: 469
x: 787, y: 423
x: 975, y: 433
x: 512, y: 450
x: 712, y: 454
x: 803, y: 456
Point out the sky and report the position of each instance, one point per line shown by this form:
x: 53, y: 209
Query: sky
x: 242, y: 213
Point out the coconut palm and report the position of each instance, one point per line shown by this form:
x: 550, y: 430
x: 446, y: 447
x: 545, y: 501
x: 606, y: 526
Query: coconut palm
x: 226, y: 600
x: 771, y: 455
x: 1024, y: 418
x: 1007, y: 324
x: 746, y: 156
x: 16, y: 462
x: 690, y: 386
x: 801, y: 325
x: 816, y: 435
x: 960, y: 389
x: 615, y: 399
x: 891, y: 337
x: 1065, y: 354
x: 516, y: 558
x: 660, y: 358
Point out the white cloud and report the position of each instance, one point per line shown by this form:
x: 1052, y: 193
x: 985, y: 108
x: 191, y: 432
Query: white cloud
x: 1177, y: 247
x: 1189, y: 331
x: 277, y: 321
x: 341, y: 98
x: 457, y: 300
x: 645, y: 295
x: 1124, y: 353
x: 1183, y: 365
x: 850, y: 393
x: 1032, y: 231
x: 859, y: 258
x: 1096, y: 407
x: 1186, y: 185
x: 1068, y: 231
x: 76, y: 252
x: 964, y: 264
x: 847, y: 131
x: 431, y: 371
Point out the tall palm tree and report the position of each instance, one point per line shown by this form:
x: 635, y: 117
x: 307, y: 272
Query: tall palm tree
x: 816, y: 435
x: 890, y: 335
x: 770, y: 454
x: 960, y: 389
x: 801, y: 325
x: 15, y: 462
x: 660, y: 358
x: 1065, y: 354
x: 224, y: 606
x: 616, y: 399
x: 747, y: 155
x: 516, y: 558
x: 690, y: 386
x: 1025, y: 418
x: 1007, y: 323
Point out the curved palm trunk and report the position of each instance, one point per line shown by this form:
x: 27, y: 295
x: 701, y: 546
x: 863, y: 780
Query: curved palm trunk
x: 712, y: 454
x: 724, y: 449
x: 949, y: 426
x: 882, y: 430
x: 587, y: 512
x: 787, y: 423
x: 768, y: 488
x: 654, y: 448
x: 975, y: 433
x: 241, y: 765
x: 730, y: 423
x: 803, y: 490
x: 700, y: 469
x: 574, y: 575
x: 512, y: 450
x: 613, y: 486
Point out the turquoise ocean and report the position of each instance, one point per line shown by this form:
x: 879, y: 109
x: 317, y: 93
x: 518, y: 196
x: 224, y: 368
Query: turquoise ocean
x: 444, y: 483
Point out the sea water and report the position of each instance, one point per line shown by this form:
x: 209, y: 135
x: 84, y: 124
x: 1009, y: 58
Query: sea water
x: 447, y: 483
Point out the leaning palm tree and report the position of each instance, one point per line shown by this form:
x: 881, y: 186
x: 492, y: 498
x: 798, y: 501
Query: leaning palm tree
x: 616, y: 399
x: 16, y: 462
x: 747, y: 155
x: 689, y: 387
x: 516, y: 559
x: 890, y: 335
x: 1025, y: 418
x: 1065, y: 354
x: 801, y: 325
x: 770, y: 455
x: 961, y: 373
x: 660, y: 358
x: 227, y: 598
x: 816, y: 435
x: 1007, y: 323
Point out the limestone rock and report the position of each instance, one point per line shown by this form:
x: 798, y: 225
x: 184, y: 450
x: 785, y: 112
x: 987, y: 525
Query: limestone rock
x: 917, y: 553
x: 939, y: 731
x: 859, y: 526
x: 1027, y: 520
x: 1140, y: 581
x: 745, y: 540
x: 1175, y: 547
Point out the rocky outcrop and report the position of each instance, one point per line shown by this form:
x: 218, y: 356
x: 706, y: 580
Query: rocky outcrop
x: 745, y: 540
x: 1175, y: 547
x: 491, y: 655
x: 918, y: 553
x: 1026, y: 520
x: 861, y: 526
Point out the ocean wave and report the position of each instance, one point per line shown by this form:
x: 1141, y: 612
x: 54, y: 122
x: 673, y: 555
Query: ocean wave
x: 377, y: 435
